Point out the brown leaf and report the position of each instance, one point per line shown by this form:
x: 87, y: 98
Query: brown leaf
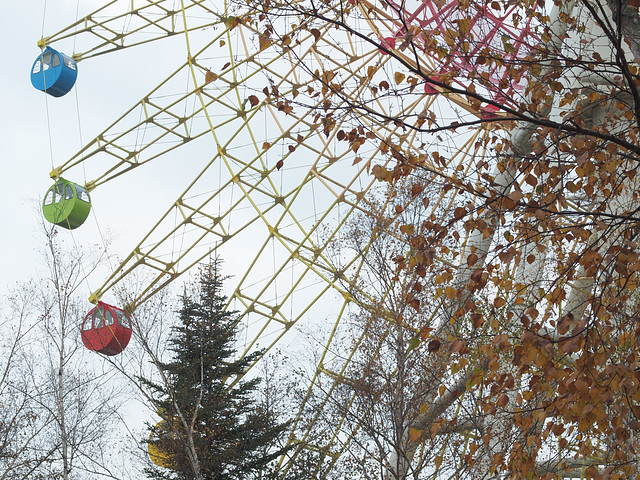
x: 456, y: 346
x: 209, y: 77
x: 279, y: 164
x: 433, y: 345
x: 407, y: 229
x: 254, y: 100
x: 424, y: 332
x: 415, y: 304
x: 398, y: 77
x: 316, y: 33
x: 264, y: 42
x: 477, y: 320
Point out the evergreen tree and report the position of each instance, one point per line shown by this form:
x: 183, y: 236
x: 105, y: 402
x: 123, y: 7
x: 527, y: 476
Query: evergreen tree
x: 210, y: 431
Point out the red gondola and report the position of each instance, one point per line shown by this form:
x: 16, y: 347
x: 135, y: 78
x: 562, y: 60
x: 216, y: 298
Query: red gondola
x: 106, y: 329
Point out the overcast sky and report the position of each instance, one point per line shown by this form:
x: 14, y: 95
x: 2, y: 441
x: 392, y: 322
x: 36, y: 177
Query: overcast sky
x: 38, y: 134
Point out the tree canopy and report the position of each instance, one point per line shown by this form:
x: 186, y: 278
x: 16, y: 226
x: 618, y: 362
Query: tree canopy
x: 515, y: 129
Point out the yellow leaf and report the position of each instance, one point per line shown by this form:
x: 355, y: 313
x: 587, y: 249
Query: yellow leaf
x: 398, y: 77
x: 264, y: 42
x: 464, y: 25
x: 407, y: 229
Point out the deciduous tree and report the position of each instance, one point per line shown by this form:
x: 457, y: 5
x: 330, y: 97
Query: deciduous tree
x: 531, y: 239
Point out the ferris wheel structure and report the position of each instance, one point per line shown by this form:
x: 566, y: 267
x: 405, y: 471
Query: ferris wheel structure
x: 284, y: 171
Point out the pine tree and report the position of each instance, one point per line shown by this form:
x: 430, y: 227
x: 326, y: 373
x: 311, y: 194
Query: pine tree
x: 210, y: 431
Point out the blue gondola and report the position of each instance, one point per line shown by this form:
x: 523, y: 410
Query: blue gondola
x: 54, y: 72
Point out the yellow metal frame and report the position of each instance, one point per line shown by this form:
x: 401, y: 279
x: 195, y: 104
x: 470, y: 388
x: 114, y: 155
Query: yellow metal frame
x: 253, y: 184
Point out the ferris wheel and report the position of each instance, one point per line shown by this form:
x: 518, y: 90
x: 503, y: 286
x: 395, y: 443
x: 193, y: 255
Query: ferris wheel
x: 282, y: 192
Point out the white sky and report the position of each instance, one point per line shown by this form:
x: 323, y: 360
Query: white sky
x: 107, y: 85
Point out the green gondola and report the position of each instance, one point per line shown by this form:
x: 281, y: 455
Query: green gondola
x: 66, y: 204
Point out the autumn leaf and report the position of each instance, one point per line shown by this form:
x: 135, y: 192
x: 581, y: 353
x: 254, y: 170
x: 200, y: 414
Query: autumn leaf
x: 279, y: 164
x: 209, y: 77
x: 457, y: 346
x: 398, y: 77
x: 264, y: 41
x: 433, y: 345
x: 407, y: 229
x: 464, y: 25
x: 232, y: 22
x: 424, y: 332
x: 253, y: 100
x: 450, y: 292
